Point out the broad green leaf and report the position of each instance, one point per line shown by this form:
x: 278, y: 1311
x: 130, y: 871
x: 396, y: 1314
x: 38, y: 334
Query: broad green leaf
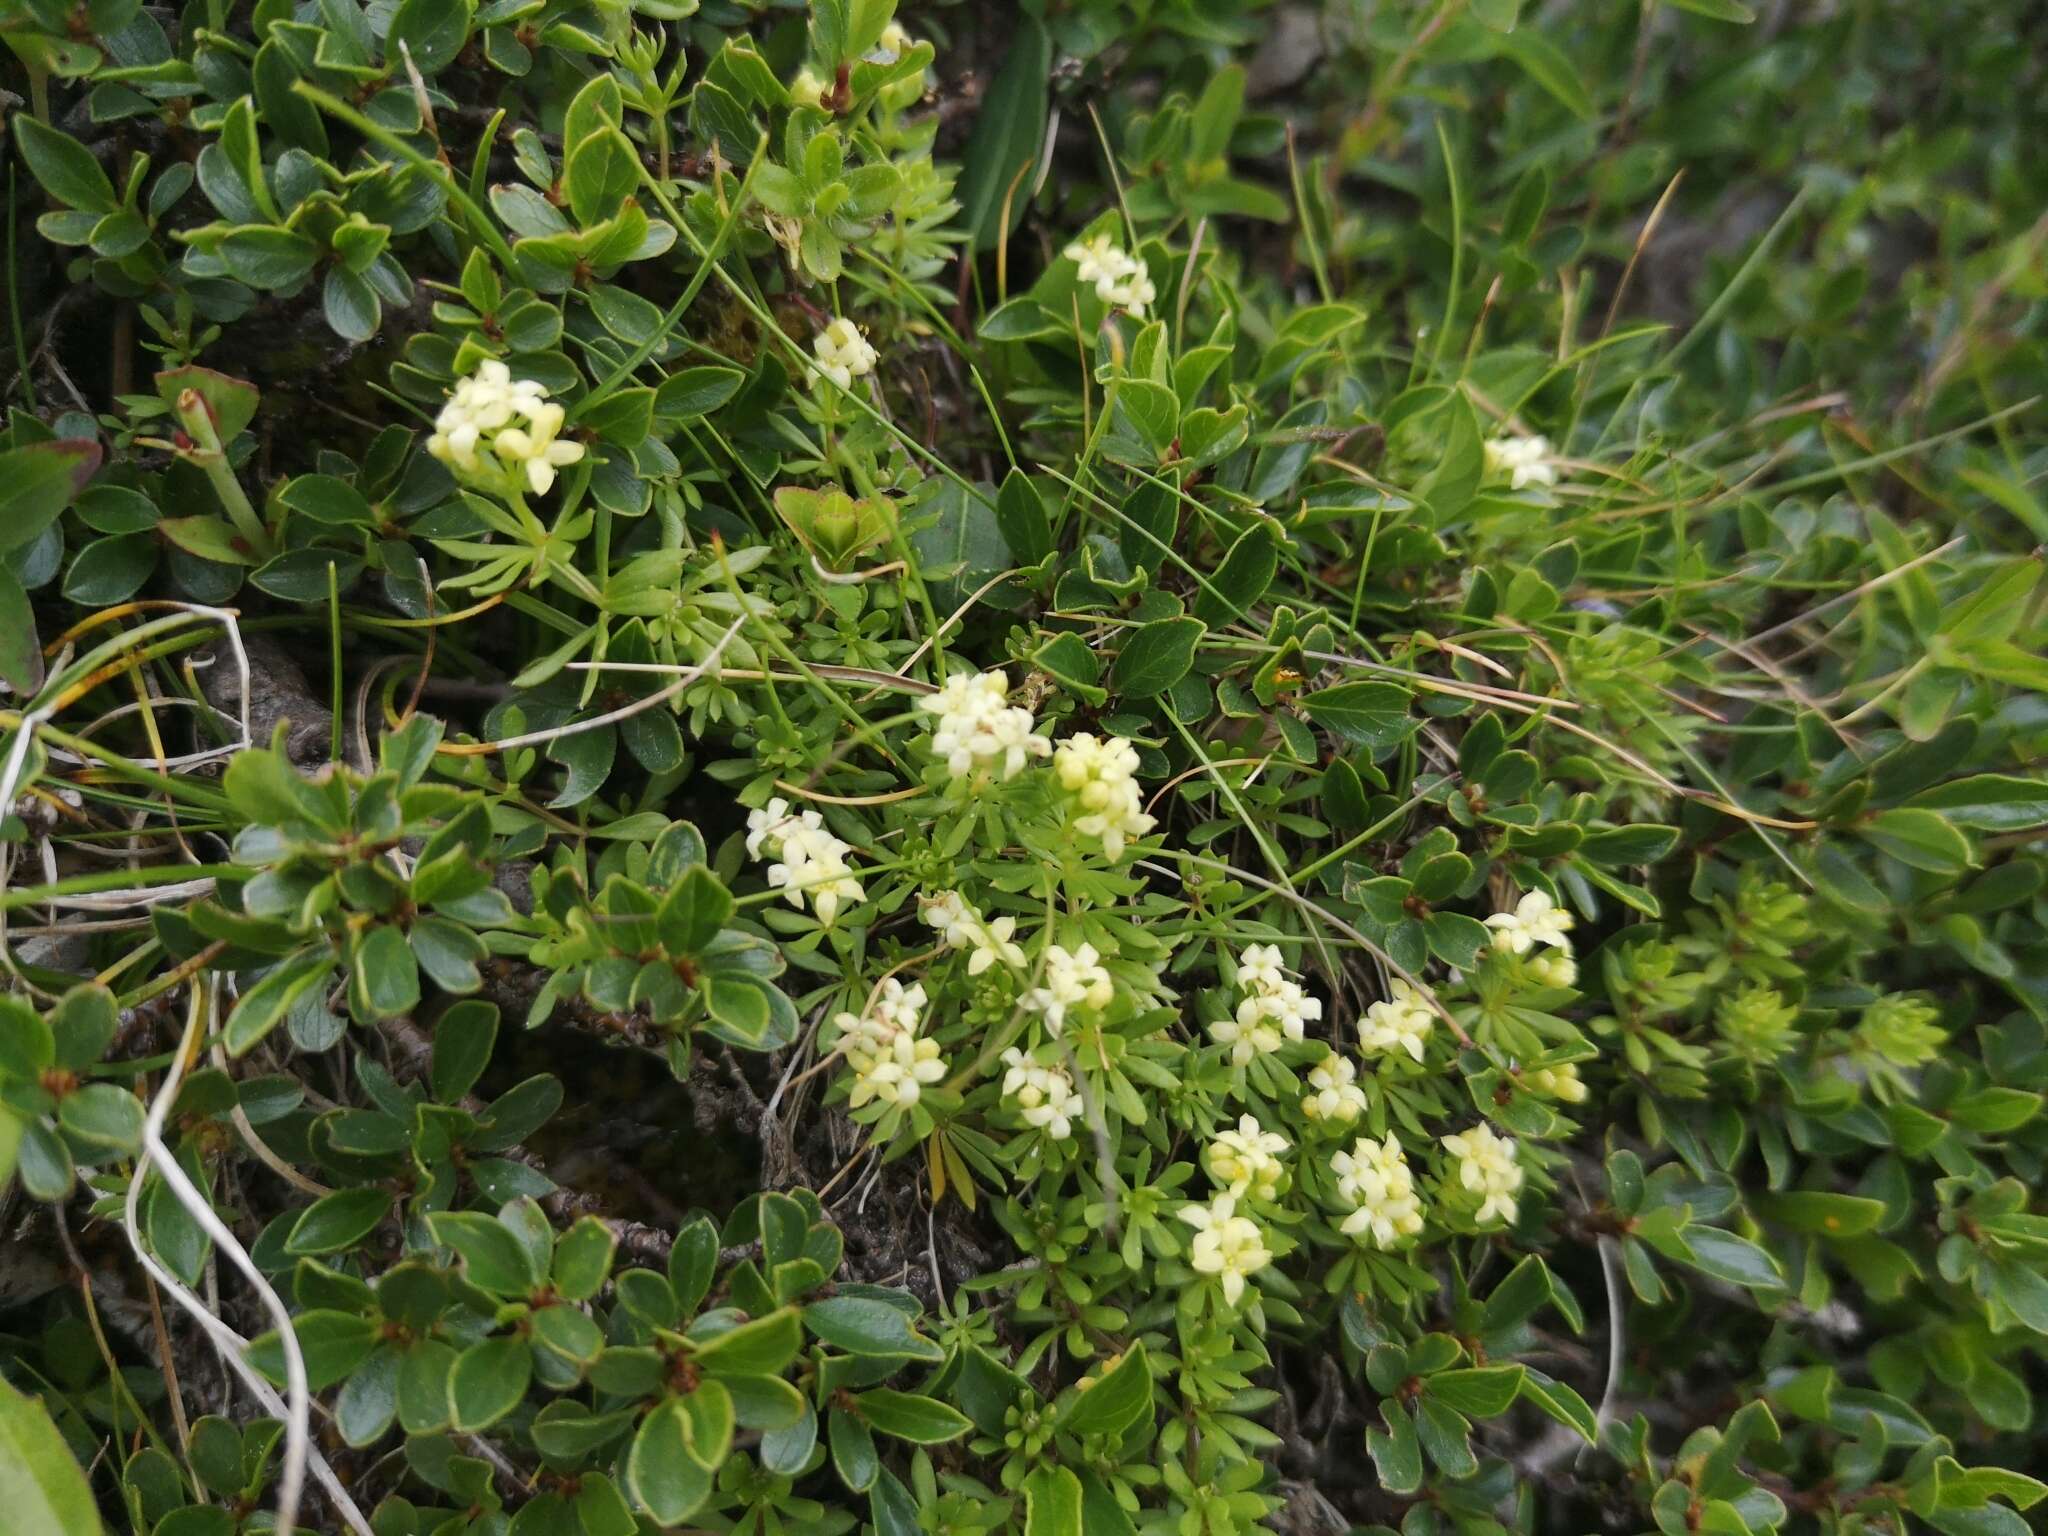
x: 1479, y: 1392
x: 1002, y: 149
x: 463, y: 1037
x: 65, y: 167
x: 327, y: 499
x: 21, y: 653
x: 488, y: 1381
x: 1020, y: 514
x: 861, y: 1325
x: 40, y: 480
x: 1548, y: 65
x: 1922, y: 838
x: 761, y: 1347
x: 1735, y: 1259
x: 42, y: 1487
x: 1242, y: 579
x: 1988, y: 802
x: 265, y: 1005
x: 430, y: 32
x: 1396, y: 1452
x: 493, y: 1258
x: 384, y: 977
x: 104, y: 1116
x: 1371, y: 715
x: 1156, y: 656
x: 907, y: 1416
x: 333, y: 1343
x: 1052, y: 1503
x: 852, y: 1444
x: 339, y: 1220
x: 1113, y: 1401
x: 1823, y: 1213
x: 661, y: 1474
x: 583, y: 1259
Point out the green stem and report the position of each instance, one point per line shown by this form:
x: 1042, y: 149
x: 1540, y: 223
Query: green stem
x: 28, y: 387
x: 196, y: 417
x: 334, y: 661
x: 485, y: 227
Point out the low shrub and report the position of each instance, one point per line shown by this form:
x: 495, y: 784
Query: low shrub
x: 1089, y: 768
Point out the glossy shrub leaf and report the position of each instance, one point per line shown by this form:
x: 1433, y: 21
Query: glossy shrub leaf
x: 1373, y: 715
x: 487, y: 1381
x: 663, y: 1477
x: 862, y: 1326
x: 907, y: 1416
x: 1156, y: 657
x: 338, y: 1221
x: 492, y: 1256
x: 1113, y: 1401
x: 1003, y: 148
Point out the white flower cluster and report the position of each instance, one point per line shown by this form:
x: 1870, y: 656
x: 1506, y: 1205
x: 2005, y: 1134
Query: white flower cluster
x: 1073, y: 979
x: 1536, y: 920
x: 1118, y: 277
x: 1101, y: 775
x: 843, y: 353
x: 1043, y: 1095
x: 809, y: 860
x: 1260, y: 969
x: 1375, y: 1180
x: 979, y: 728
x: 1246, y: 1161
x: 479, y: 416
x: 961, y: 926
x: 1334, y: 1097
x: 1272, y: 1008
x: 1525, y: 461
x: 1226, y: 1245
x: 1487, y: 1168
x: 1401, y: 1022
x: 890, y: 1060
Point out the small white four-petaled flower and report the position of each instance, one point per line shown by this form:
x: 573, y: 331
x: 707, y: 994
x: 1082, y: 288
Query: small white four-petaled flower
x: 891, y: 1062
x: 1525, y: 461
x: 1043, y: 1095
x: 1117, y: 277
x: 961, y: 926
x: 1226, y: 1245
x: 1400, y: 1022
x: 1334, y: 1097
x: 1487, y: 1168
x: 1536, y: 920
x: 1074, y: 978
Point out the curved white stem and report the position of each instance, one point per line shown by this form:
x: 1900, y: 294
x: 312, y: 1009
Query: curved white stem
x: 1617, y: 1336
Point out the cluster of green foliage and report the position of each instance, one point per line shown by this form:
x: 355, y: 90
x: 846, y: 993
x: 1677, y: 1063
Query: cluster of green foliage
x: 1333, y: 798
